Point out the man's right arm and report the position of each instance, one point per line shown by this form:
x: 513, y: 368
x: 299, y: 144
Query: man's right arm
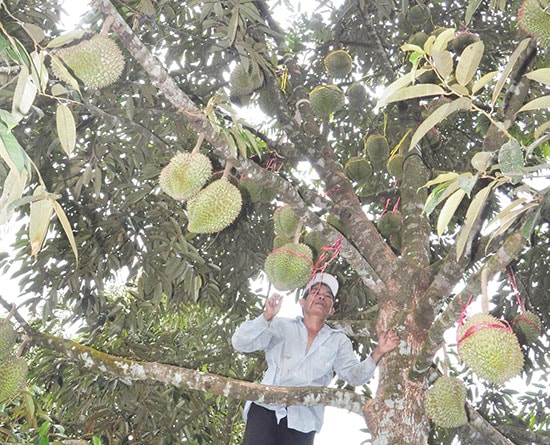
x: 255, y: 335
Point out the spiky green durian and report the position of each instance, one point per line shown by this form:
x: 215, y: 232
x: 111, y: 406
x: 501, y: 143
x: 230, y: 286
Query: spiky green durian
x: 214, y: 208
x: 445, y: 402
x: 462, y: 40
x: 358, y: 169
x: 97, y: 62
x: 316, y: 241
x: 377, y: 148
x: 390, y: 223
x: 418, y: 15
x: 13, y: 375
x: 244, y: 81
x: 418, y: 39
x: 256, y: 191
x: 395, y: 165
x: 185, y: 175
x: 490, y: 348
x: 289, y: 267
x: 338, y: 63
x: 7, y: 338
x: 534, y: 19
x: 266, y: 102
x: 357, y: 95
x: 326, y: 99
x: 527, y: 327
x: 285, y: 221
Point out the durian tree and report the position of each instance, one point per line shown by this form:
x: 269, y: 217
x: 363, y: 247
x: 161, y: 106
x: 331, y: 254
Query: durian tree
x: 441, y: 123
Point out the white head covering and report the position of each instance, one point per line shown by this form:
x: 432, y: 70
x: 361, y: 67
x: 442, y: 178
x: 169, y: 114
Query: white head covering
x: 324, y: 278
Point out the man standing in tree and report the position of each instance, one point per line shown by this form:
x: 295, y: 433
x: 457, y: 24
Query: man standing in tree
x: 301, y: 352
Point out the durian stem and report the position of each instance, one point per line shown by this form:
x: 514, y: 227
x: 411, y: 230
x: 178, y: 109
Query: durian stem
x: 197, y: 146
x: 298, y: 232
x: 107, y: 25
x: 227, y: 169
x: 23, y: 345
x: 445, y: 362
x: 484, y: 295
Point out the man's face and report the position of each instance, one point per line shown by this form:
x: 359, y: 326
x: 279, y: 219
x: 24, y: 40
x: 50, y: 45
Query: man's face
x: 319, y: 300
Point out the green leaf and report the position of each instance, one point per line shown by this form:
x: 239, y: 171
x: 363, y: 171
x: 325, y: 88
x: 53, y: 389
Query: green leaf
x: 414, y: 91
x: 443, y: 177
x: 438, y: 195
x: 10, y: 150
x: 441, y: 113
x: 396, y: 85
x: 542, y: 75
x: 66, y: 227
x: 469, y: 62
x: 510, y: 160
x: 472, y: 7
x: 483, y: 80
x: 65, y: 38
x: 24, y: 95
x: 472, y: 214
x: 443, y: 38
x: 506, y: 219
x: 66, y: 128
x: 233, y: 25
x: 508, y: 68
x: 443, y: 63
x: 448, y: 210
x: 66, y: 74
x: 41, y: 212
x: 481, y: 160
x: 467, y: 182
x: 540, y: 103
x: 12, y: 190
x: 35, y: 32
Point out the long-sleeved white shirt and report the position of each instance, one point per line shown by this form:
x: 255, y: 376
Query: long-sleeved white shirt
x: 284, y: 341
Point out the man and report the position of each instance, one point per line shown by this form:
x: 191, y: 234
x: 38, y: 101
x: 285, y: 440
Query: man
x: 301, y: 352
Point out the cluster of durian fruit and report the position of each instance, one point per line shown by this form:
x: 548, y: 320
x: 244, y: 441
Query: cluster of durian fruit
x: 490, y: 348
x: 210, y: 207
x: 97, y: 62
x: 329, y: 98
x: 290, y: 264
x: 13, y: 368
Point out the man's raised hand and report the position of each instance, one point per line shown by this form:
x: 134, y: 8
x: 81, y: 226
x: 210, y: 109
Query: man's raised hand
x: 272, y: 306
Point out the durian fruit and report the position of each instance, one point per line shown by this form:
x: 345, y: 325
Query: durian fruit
x: 279, y: 241
x: 13, y: 375
x: 242, y: 81
x: 445, y: 402
x: 185, y: 175
x: 534, y: 19
x: 97, y: 62
x: 395, y: 165
x: 214, y: 208
x: 326, y: 99
x: 316, y: 241
x: 256, y: 191
x: 266, y: 102
x: 338, y: 63
x: 358, y: 169
x: 418, y: 39
x: 490, y: 348
x: 357, y: 95
x: 390, y: 223
x: 289, y: 267
x: 377, y: 148
x: 462, y: 40
x: 7, y: 338
x: 285, y: 221
x: 418, y: 15
x: 527, y: 327
x: 396, y: 241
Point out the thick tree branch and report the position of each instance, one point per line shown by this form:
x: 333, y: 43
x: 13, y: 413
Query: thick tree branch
x: 189, y: 379
x: 490, y: 434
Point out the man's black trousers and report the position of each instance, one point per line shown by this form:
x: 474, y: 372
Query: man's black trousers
x: 262, y: 429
